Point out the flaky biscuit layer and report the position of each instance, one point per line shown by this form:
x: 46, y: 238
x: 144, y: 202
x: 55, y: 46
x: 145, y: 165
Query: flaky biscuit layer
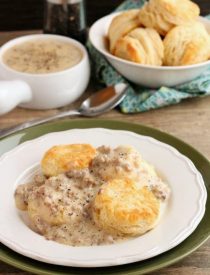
x: 163, y: 15
x: 122, y: 207
x: 121, y: 25
x: 186, y: 45
x: 141, y: 45
x: 63, y: 158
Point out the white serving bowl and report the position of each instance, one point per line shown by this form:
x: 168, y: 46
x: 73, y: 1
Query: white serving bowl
x: 42, y: 91
x: 145, y: 75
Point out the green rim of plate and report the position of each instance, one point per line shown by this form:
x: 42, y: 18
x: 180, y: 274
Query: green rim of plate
x: 196, y: 239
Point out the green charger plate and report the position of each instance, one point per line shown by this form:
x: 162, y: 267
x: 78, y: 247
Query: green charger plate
x: 196, y: 239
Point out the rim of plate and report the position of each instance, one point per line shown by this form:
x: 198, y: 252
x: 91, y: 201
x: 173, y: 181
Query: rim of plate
x: 129, y: 258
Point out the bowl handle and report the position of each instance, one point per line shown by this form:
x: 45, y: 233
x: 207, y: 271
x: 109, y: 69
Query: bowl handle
x: 12, y: 93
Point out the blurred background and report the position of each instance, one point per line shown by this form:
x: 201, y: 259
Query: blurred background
x: 28, y: 14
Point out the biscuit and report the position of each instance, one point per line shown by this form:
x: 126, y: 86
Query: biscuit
x: 163, y: 15
x: 121, y: 25
x: 151, y: 43
x: 122, y: 207
x: 152, y: 19
x: 21, y: 197
x: 186, y: 44
x: 130, y: 49
x: 123, y: 161
x: 43, y: 210
x: 63, y: 158
x: 141, y: 46
x: 51, y: 203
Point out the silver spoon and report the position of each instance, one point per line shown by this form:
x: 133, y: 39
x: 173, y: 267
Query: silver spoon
x: 98, y: 103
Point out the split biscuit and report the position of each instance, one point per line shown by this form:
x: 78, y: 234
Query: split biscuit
x: 46, y: 204
x: 186, y: 45
x: 141, y: 45
x: 163, y: 15
x: 121, y: 25
x: 123, y: 161
x: 63, y: 158
x: 122, y: 207
x: 130, y: 49
x: 41, y: 212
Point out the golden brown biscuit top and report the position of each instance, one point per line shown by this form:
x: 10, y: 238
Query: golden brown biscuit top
x: 122, y: 206
x: 121, y: 25
x: 185, y: 9
x: 62, y: 158
x: 187, y: 44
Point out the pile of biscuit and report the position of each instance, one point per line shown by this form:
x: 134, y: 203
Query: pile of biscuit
x: 162, y: 32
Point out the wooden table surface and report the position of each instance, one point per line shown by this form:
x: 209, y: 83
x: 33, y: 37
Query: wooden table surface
x: 189, y: 121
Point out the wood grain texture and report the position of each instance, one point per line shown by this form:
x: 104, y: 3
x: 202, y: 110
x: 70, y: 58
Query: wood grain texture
x: 28, y: 14
x: 189, y: 121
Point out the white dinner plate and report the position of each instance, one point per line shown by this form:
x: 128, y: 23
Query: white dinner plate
x: 185, y: 209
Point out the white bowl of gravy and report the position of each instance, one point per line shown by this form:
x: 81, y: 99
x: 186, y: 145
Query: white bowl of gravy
x: 42, y: 71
